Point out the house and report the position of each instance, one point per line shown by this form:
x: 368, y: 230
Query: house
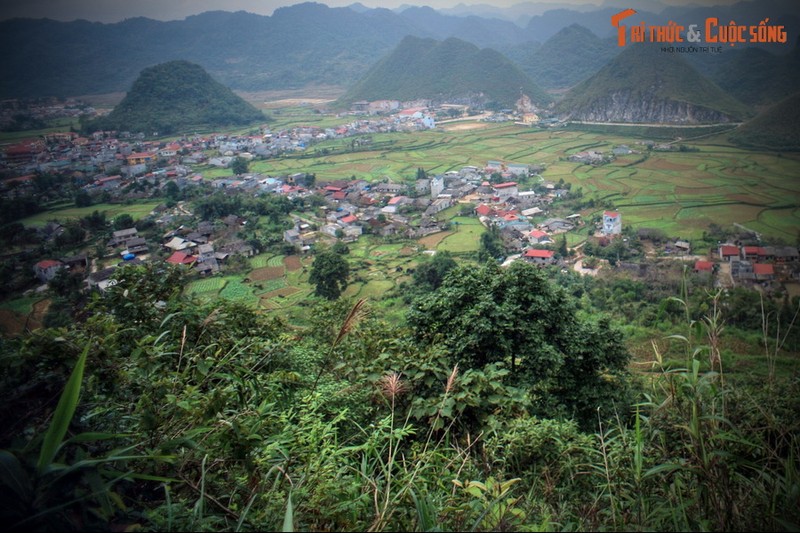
x: 47, y: 269
x: 393, y: 188
x: 703, y: 266
x: 506, y: 190
x: 292, y: 236
x: 683, y: 246
x: 557, y: 225
x: 437, y: 205
x: 136, y: 245
x: 539, y: 237
x: 763, y: 271
x: 539, y: 257
x: 121, y: 237
x: 484, y: 210
x: 753, y: 252
x: 101, y: 279
x: 612, y: 223
x: 181, y: 258
x: 728, y: 252
x: 141, y: 158
x: 179, y: 243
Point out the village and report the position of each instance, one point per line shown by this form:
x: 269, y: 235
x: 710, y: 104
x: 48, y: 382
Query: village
x: 511, y: 198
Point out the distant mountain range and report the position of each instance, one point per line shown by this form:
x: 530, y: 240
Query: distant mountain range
x: 430, y: 69
x: 176, y: 97
x: 311, y: 44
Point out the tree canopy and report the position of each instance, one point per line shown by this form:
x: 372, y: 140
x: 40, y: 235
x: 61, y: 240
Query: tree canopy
x: 329, y: 274
x: 517, y: 318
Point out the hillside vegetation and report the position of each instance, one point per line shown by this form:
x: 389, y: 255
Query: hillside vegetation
x: 177, y: 96
x: 775, y: 129
x: 504, y: 405
x: 425, y: 68
x: 643, y: 84
x: 567, y: 58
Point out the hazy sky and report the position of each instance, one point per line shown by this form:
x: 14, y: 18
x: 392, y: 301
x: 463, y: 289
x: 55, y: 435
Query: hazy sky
x: 116, y: 10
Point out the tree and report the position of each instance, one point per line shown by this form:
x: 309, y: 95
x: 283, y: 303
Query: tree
x: 123, y: 221
x: 430, y: 275
x: 491, y: 246
x: 515, y: 317
x: 82, y: 199
x: 329, y: 274
x: 239, y: 166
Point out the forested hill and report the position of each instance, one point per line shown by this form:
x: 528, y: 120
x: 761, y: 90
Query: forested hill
x: 776, y: 128
x: 568, y: 57
x: 644, y: 85
x: 425, y: 68
x: 175, y: 96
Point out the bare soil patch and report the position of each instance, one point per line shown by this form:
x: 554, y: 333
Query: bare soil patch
x: 292, y: 263
x: 464, y: 126
x: 266, y: 273
x: 432, y: 241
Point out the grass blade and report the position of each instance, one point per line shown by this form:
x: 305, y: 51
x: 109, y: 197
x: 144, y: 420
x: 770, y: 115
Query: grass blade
x: 63, y: 414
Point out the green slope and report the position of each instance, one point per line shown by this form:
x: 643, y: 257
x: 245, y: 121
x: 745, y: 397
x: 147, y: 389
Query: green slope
x: 426, y: 68
x: 568, y: 57
x: 776, y: 128
x: 644, y: 85
x: 177, y: 96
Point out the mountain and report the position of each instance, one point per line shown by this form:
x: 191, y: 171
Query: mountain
x: 426, y: 68
x: 758, y: 77
x: 644, y: 85
x: 302, y: 45
x: 483, y: 32
x: 177, y: 96
x: 568, y: 57
x: 777, y: 128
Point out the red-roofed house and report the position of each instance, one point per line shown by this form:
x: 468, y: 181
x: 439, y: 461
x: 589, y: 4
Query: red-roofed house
x: 728, y: 252
x: 612, y: 223
x: 181, y: 258
x: 539, y: 257
x: 763, y: 271
x: 340, y: 196
x: 538, y: 236
x: 704, y: 266
x: 753, y: 252
x: 349, y: 219
x: 46, y: 269
x: 484, y: 210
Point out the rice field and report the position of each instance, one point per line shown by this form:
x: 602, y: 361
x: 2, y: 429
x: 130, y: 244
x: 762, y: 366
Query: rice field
x: 681, y: 193
x: 135, y: 210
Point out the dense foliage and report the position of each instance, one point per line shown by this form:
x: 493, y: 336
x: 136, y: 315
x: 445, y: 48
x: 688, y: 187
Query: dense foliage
x: 182, y: 415
x: 176, y: 96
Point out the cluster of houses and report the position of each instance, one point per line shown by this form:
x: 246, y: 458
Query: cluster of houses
x: 42, y: 109
x: 203, y: 248
x: 392, y: 208
x: 753, y: 263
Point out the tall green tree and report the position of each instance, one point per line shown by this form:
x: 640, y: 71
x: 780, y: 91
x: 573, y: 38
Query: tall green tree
x: 516, y: 317
x: 491, y: 245
x: 430, y: 275
x: 329, y: 275
x: 239, y: 166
